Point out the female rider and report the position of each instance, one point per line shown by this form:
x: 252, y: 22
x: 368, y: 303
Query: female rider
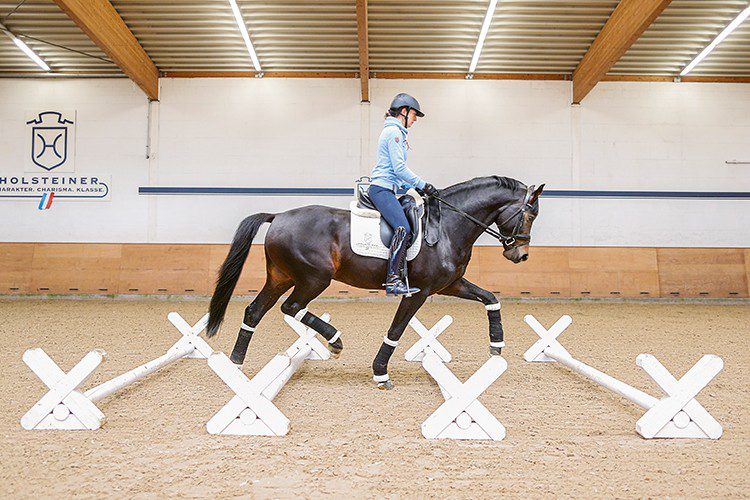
x: 391, y: 176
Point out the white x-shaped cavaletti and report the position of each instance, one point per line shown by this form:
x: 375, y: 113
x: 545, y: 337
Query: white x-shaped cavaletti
x: 547, y: 338
x: 308, y: 337
x: 428, y: 340
x: 679, y: 414
x: 462, y: 416
x: 251, y: 411
x: 190, y: 335
x: 63, y: 407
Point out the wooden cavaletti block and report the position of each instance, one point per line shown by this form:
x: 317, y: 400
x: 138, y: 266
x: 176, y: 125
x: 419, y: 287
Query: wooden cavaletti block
x: 68, y: 268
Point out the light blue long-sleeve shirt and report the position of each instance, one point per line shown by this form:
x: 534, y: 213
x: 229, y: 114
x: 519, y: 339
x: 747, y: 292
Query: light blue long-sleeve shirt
x: 391, y: 171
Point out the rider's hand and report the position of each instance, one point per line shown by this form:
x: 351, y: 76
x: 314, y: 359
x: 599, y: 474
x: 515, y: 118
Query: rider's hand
x: 430, y: 190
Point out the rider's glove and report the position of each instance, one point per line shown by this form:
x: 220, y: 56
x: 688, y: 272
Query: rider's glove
x: 430, y: 190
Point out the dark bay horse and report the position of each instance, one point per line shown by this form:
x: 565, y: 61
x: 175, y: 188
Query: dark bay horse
x: 308, y: 247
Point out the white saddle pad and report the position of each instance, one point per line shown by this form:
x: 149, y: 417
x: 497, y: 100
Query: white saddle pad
x: 365, y: 233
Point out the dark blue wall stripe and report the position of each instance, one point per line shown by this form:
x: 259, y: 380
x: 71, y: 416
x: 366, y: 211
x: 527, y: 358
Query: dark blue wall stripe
x: 279, y: 191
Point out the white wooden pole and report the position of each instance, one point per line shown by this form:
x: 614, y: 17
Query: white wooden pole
x: 295, y: 362
x: 107, y: 388
x: 626, y: 391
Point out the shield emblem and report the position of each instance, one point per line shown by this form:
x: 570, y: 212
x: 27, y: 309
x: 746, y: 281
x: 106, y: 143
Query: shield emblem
x: 49, y: 146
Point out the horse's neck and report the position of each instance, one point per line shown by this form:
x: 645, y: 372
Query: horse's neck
x: 482, y: 204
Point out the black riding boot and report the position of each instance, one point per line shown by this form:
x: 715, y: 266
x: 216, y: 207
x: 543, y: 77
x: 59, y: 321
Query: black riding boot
x: 394, y: 285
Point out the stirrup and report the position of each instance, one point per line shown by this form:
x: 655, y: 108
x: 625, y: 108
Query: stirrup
x: 398, y: 287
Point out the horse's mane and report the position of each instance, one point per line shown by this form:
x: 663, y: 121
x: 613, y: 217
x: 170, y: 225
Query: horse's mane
x: 478, y: 182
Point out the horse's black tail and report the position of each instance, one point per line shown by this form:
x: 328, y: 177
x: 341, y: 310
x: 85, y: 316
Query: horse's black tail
x: 232, y: 268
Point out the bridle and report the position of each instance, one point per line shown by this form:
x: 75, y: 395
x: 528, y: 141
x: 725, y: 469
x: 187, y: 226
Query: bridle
x: 516, y: 238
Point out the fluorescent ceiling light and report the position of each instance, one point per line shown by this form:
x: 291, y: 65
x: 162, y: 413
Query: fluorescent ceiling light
x: 25, y: 48
x: 245, y: 35
x: 711, y: 46
x: 482, y: 35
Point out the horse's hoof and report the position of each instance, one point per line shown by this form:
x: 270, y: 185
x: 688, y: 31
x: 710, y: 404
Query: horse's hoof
x: 496, y: 351
x: 385, y: 386
x: 335, y: 351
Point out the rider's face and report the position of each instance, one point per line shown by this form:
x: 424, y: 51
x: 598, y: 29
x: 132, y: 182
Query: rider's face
x: 411, y: 119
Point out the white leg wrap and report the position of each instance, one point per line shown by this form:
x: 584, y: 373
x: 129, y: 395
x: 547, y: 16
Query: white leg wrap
x: 381, y: 378
x: 247, y: 328
x: 497, y: 344
x: 493, y: 307
x: 335, y: 337
x: 392, y: 343
x: 300, y: 314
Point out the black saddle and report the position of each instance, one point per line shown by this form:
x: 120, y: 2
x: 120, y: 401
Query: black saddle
x: 411, y: 211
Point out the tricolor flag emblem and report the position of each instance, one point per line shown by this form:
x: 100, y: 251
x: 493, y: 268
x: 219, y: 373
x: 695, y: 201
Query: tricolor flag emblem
x: 46, y: 200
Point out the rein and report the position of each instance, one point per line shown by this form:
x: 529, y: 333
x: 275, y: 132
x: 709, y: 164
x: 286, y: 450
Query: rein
x: 507, y: 241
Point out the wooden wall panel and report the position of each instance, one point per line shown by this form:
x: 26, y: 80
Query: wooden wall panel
x: 545, y: 274
x: 613, y: 272
x: 165, y: 269
x: 15, y: 265
x: 702, y: 272
x: 79, y: 268
x: 75, y: 268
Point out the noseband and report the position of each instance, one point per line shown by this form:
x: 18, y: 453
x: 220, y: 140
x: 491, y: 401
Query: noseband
x: 516, y: 238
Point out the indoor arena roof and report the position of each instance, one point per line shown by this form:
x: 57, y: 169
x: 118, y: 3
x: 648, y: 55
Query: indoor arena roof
x: 417, y: 38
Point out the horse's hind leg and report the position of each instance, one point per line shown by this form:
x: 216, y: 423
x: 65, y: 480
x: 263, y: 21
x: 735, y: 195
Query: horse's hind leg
x: 296, y: 306
x: 268, y: 296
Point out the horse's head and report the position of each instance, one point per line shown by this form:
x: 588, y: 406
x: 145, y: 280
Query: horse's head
x: 517, y: 226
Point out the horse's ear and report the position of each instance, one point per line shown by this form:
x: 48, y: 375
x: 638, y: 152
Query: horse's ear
x: 535, y: 194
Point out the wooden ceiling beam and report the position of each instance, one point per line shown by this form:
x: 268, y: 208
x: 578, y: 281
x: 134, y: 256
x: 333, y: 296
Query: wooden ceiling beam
x: 626, y: 24
x: 104, y: 26
x: 364, y: 51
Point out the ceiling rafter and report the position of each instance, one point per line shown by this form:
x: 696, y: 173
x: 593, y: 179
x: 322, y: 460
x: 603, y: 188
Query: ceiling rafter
x: 104, y: 26
x: 364, y: 52
x: 626, y: 24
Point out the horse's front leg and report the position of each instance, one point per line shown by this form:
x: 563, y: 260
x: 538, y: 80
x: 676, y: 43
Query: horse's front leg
x: 465, y: 289
x: 406, y: 310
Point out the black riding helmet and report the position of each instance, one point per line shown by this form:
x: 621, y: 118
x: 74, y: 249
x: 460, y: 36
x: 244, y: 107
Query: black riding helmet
x: 403, y: 100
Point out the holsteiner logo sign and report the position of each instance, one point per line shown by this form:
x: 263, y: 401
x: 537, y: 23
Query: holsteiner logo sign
x: 49, y: 163
x: 52, y: 142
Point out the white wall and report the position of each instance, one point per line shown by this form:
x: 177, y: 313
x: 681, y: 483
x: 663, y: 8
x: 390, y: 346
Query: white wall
x: 111, y: 133
x: 314, y: 133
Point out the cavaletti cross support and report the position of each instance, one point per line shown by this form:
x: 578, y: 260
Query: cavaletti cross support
x: 251, y: 411
x: 676, y: 415
x: 462, y: 415
x: 64, y: 407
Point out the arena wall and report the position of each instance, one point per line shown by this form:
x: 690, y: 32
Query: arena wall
x: 313, y: 133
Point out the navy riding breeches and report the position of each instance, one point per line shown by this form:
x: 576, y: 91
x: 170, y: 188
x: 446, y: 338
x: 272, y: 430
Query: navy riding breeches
x: 389, y: 207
